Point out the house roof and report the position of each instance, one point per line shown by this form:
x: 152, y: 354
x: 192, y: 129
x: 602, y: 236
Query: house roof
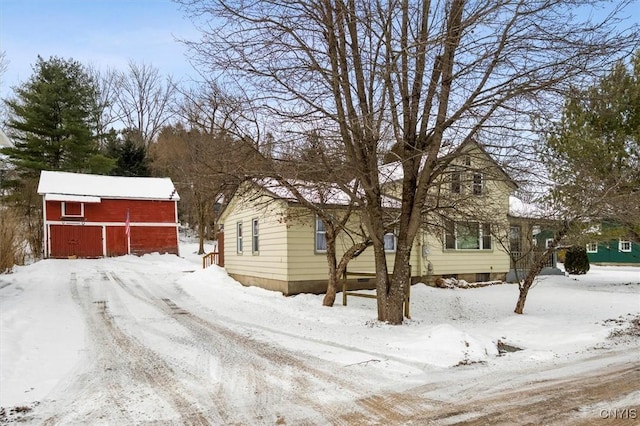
x: 76, y: 186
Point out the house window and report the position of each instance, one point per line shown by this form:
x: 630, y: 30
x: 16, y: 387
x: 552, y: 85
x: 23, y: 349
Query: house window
x: 456, y: 186
x: 254, y: 236
x: 239, y: 237
x: 624, y: 246
x: 70, y: 209
x: 390, y: 242
x: 468, y: 236
x: 321, y: 236
x: 592, y: 248
x: 548, y: 243
x: 478, y: 184
x: 515, y: 244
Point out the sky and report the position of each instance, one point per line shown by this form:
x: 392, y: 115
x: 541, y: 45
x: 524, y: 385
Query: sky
x: 102, y: 33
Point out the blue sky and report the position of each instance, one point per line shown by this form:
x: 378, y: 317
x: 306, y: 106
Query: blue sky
x: 103, y: 33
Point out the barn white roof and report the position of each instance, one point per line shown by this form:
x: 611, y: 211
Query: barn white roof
x: 74, y: 186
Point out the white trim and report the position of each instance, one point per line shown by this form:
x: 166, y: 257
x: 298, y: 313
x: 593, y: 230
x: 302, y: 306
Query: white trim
x: 104, y: 241
x: 132, y: 224
x: 45, y: 238
x: 177, y: 226
x: 72, y: 198
x: 63, y: 209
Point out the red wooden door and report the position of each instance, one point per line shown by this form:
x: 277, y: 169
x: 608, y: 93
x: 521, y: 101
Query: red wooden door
x: 76, y: 240
x: 116, y: 241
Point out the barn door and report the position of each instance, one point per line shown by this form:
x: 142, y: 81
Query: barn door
x: 76, y: 240
x: 116, y: 241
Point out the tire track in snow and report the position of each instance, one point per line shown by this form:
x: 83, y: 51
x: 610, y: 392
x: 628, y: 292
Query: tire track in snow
x: 301, y: 377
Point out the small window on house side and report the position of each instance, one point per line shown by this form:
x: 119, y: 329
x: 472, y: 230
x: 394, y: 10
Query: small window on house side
x: 548, y: 243
x: 592, y: 248
x: 624, y: 246
x: 321, y: 236
x: 239, y: 237
x: 254, y: 236
x: 390, y: 242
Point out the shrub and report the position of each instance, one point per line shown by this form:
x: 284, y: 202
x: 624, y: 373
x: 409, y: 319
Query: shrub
x: 576, y: 261
x: 12, y: 242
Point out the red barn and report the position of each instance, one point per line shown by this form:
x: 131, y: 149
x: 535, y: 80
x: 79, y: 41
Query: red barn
x: 95, y: 216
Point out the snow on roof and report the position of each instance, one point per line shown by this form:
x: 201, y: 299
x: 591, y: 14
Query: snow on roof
x: 79, y: 184
x: 518, y: 208
x: 317, y: 193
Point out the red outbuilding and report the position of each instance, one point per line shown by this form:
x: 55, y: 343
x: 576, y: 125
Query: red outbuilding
x: 96, y: 216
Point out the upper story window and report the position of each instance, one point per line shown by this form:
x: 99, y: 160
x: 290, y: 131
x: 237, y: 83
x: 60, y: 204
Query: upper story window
x: 477, y: 184
x: 456, y: 182
x: 467, y: 236
x: 624, y: 246
x: 72, y: 209
x: 239, y: 237
x: 255, y: 248
x: 592, y: 248
x: 321, y: 236
x: 390, y: 242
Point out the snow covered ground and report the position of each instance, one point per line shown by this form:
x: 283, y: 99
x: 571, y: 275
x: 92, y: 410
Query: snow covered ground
x: 53, y: 312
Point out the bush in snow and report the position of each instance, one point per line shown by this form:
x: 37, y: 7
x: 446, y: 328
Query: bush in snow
x: 576, y: 261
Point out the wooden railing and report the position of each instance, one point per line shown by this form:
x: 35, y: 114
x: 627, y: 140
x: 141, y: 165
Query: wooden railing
x: 346, y: 293
x: 209, y: 259
x: 525, y: 260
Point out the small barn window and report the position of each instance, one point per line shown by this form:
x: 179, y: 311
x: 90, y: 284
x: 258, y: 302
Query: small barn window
x: 592, y: 247
x: 239, y: 237
x: 321, y: 236
x: 71, y: 209
x: 255, y: 248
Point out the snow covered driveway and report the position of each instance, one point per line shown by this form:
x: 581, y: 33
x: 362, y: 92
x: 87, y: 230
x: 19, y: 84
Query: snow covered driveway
x: 157, y: 340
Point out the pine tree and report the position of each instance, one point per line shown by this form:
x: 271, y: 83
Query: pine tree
x: 593, y: 152
x: 51, y: 121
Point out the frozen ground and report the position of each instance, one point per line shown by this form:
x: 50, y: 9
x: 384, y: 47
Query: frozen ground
x: 158, y: 340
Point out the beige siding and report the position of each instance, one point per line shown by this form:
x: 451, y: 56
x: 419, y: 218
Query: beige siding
x: 270, y: 262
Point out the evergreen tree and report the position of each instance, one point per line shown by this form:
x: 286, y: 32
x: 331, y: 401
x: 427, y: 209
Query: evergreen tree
x: 131, y: 156
x: 576, y: 261
x: 51, y: 121
x: 593, y: 152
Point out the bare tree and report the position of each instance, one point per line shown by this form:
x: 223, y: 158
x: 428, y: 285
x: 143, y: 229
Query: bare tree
x: 144, y: 100
x: 423, y: 75
x: 106, y: 87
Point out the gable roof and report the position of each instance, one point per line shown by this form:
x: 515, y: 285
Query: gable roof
x: 75, y: 186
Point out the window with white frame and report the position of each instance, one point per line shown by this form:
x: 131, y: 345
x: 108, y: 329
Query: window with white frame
x: 477, y: 186
x: 390, y: 242
x: 255, y: 248
x: 321, y: 236
x: 239, y: 237
x: 592, y: 247
x: 467, y: 236
x: 624, y: 246
x: 548, y: 243
x: 72, y: 209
